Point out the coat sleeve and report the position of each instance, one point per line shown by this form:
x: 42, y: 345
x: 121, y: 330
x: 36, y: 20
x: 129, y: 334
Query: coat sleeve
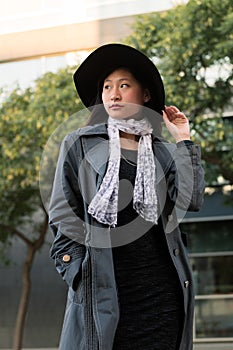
x: 185, y: 180
x: 66, y: 218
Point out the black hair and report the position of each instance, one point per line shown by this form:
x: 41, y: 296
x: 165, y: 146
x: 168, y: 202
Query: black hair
x: 99, y: 114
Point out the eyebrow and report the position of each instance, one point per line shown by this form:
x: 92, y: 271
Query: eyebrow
x: 118, y: 79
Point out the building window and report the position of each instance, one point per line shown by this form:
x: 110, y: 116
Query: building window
x: 213, y: 317
x: 210, y: 246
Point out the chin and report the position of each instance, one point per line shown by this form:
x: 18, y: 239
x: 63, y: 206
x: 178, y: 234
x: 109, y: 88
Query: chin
x: 126, y: 115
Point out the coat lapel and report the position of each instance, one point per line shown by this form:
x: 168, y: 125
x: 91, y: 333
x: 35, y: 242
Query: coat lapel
x: 96, y: 148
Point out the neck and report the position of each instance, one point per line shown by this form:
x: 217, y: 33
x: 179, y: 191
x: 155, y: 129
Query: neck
x: 129, y: 141
x: 132, y: 137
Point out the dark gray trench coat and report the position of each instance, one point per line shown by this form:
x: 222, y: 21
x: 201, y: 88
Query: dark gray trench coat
x: 82, y: 247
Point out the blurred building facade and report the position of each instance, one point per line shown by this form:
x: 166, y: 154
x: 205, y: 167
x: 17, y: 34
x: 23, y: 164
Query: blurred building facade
x: 45, y: 35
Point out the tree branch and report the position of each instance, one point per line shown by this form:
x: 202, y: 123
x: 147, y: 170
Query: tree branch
x: 17, y: 233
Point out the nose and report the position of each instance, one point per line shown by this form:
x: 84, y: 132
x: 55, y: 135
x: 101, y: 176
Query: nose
x: 115, y: 95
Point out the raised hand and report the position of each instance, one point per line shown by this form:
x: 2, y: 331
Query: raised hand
x: 177, y: 123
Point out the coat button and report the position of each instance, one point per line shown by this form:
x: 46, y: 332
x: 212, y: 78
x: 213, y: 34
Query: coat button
x: 186, y: 284
x: 66, y: 258
x: 170, y: 218
x: 176, y: 251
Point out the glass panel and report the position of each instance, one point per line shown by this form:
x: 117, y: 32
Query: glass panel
x: 214, y: 318
x: 25, y: 72
x: 209, y: 236
x: 213, y: 275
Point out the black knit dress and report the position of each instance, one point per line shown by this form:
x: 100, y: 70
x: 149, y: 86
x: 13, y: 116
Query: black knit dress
x: 149, y: 292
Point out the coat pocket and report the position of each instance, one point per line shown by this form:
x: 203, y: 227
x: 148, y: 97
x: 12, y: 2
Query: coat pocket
x: 76, y: 296
x: 73, y: 333
x: 69, y: 265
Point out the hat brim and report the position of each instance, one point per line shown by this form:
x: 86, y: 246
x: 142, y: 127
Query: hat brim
x: 111, y: 56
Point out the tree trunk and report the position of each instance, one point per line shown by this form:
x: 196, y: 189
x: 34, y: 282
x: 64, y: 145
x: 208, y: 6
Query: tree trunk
x: 32, y: 248
x: 24, y: 299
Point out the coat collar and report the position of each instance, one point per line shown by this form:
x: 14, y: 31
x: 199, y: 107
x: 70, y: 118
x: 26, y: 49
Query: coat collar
x: 91, y: 130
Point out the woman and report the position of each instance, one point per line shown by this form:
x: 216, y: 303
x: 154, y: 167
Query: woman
x: 113, y: 211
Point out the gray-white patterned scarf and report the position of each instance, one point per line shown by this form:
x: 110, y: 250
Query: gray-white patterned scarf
x: 104, y: 205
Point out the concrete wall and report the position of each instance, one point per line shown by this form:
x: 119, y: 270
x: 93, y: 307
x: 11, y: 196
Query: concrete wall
x: 47, y: 303
x: 73, y: 37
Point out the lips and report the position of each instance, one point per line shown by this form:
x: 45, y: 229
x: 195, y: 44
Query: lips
x: 115, y: 106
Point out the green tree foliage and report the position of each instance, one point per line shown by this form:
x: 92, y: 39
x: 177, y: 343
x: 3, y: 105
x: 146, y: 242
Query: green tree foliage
x: 192, y: 45
x: 28, y: 118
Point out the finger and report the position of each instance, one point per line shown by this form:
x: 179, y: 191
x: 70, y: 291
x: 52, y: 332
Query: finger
x: 172, y: 109
x: 174, y: 113
x: 170, y: 114
x: 166, y: 115
x: 165, y: 118
x: 182, y: 116
x: 179, y: 115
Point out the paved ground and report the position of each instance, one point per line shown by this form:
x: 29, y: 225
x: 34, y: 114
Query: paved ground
x: 210, y: 346
x: 214, y: 346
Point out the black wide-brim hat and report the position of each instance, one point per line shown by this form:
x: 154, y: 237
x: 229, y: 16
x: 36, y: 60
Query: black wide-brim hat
x: 108, y: 57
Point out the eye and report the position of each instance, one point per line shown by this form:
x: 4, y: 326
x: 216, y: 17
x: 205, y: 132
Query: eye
x: 106, y: 86
x: 123, y: 85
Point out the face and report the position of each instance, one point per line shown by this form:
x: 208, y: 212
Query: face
x: 123, y: 95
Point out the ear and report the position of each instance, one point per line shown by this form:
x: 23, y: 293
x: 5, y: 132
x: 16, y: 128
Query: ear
x: 147, y: 95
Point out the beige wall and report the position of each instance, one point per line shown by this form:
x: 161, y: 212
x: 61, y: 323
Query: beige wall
x: 73, y: 37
